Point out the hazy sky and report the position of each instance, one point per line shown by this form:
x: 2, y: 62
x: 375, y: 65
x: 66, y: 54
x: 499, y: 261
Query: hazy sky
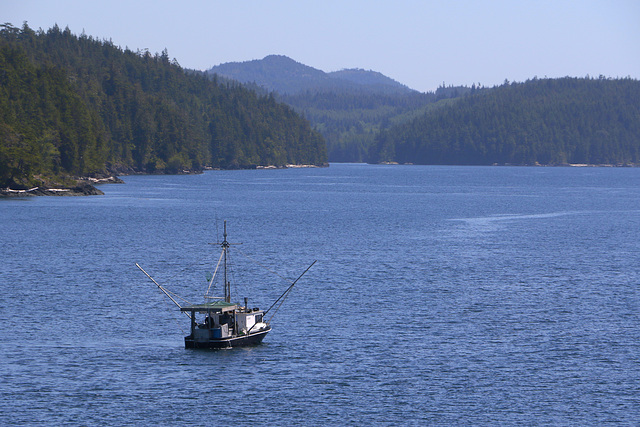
x: 420, y: 43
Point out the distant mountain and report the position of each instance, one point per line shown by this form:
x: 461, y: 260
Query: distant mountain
x: 371, y: 79
x: 282, y: 74
x: 349, y: 107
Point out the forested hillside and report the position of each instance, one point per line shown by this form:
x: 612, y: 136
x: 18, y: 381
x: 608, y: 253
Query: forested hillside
x: 349, y: 107
x: 350, y: 119
x: 75, y: 106
x: 541, y: 121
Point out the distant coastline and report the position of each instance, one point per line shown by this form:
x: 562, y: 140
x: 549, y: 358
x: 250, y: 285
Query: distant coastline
x: 86, y: 186
x: 570, y: 165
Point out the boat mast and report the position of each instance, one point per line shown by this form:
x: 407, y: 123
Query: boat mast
x: 225, y: 246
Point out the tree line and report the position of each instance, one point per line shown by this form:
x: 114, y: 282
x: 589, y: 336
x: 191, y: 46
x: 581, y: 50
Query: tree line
x: 541, y: 121
x: 77, y: 106
x: 350, y: 119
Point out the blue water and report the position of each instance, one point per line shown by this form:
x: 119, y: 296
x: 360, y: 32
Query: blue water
x: 442, y: 295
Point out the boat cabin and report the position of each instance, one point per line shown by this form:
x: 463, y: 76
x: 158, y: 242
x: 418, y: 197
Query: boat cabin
x: 220, y: 320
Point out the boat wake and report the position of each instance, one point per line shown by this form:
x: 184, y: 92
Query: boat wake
x: 492, y: 223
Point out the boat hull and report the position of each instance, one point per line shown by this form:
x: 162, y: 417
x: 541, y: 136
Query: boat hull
x: 238, y: 341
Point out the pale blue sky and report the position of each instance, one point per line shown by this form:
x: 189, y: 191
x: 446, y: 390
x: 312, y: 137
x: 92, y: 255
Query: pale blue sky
x: 418, y: 43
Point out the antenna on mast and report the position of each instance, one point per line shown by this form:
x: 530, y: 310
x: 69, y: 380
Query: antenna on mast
x: 225, y: 246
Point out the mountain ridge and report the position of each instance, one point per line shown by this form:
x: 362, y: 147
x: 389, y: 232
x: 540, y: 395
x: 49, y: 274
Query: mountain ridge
x: 281, y: 74
x: 348, y: 107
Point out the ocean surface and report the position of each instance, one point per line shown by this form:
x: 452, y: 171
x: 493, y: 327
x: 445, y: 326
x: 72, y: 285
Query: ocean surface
x: 441, y: 296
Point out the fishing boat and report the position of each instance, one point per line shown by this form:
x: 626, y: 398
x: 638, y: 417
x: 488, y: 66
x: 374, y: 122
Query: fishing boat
x: 219, y: 323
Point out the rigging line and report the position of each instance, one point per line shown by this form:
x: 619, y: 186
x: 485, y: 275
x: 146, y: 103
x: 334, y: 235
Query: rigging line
x: 178, y: 296
x: 286, y: 293
x: 233, y: 278
x: 162, y: 289
x: 232, y: 273
x: 280, y: 305
x: 214, y: 274
x: 266, y: 268
x: 274, y: 313
x: 179, y: 325
x: 189, y: 266
x: 175, y: 318
x: 167, y: 291
x: 181, y: 271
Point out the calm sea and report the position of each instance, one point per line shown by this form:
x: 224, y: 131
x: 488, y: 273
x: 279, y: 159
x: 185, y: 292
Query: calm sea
x: 441, y: 295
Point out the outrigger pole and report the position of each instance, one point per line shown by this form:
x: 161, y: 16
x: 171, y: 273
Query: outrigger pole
x: 162, y: 289
x: 286, y: 293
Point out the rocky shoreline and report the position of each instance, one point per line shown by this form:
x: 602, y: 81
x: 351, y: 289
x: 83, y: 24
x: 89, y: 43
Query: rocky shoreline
x: 84, y: 187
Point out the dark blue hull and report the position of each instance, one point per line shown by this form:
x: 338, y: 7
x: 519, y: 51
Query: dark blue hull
x: 239, y: 341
